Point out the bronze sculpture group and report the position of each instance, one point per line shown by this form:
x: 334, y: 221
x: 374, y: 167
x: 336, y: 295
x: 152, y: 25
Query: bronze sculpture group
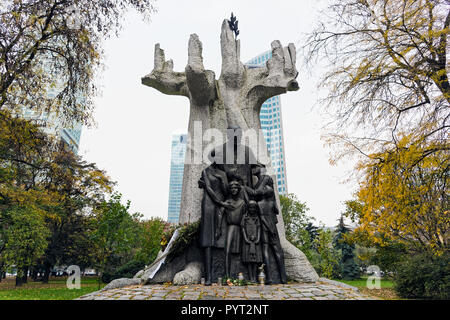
x: 239, y: 213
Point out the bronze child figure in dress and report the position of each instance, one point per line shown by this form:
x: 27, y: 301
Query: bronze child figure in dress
x: 234, y: 211
x: 251, y: 231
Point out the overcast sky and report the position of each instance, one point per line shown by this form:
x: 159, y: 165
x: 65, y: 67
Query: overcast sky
x: 135, y: 123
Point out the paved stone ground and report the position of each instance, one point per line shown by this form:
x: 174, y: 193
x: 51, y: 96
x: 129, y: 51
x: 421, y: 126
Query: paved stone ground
x: 293, y: 291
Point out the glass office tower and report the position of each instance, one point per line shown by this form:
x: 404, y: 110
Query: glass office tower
x: 176, y: 176
x: 69, y: 134
x: 272, y: 127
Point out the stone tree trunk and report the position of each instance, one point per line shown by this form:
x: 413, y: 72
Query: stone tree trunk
x: 235, y: 99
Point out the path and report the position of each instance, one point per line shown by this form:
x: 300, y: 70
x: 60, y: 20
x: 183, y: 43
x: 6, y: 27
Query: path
x: 293, y: 291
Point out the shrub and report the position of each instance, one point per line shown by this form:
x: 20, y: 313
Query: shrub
x: 128, y: 270
x: 326, y: 262
x: 188, y: 233
x: 149, y: 243
x: 424, y: 276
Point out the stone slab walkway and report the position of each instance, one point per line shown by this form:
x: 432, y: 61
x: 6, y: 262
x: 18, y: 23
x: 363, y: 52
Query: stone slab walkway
x: 294, y: 291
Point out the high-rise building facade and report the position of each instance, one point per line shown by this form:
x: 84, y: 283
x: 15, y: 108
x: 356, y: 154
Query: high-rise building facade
x: 69, y: 134
x: 272, y: 127
x: 176, y: 176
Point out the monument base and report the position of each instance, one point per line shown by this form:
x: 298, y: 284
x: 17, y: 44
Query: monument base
x: 187, y: 268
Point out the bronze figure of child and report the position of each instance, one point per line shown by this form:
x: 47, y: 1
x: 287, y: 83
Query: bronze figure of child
x: 234, y: 211
x: 251, y: 231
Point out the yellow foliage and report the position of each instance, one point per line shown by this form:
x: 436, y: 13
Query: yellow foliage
x: 405, y: 197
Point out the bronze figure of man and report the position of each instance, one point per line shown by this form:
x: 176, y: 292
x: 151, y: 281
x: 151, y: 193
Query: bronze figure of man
x: 264, y: 194
x: 215, y: 184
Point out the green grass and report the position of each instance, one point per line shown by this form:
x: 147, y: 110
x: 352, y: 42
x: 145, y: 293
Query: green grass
x: 362, y: 283
x: 55, y: 289
x: 386, y: 292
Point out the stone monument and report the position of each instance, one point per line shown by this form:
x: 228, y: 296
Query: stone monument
x: 230, y: 198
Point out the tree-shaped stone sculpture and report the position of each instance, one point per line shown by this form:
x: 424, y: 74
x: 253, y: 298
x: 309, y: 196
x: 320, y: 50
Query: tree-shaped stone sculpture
x: 235, y: 99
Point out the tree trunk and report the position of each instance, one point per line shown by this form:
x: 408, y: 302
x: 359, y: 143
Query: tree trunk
x: 46, y: 274
x: 25, y: 275
x: 19, y: 281
x: 34, y: 273
x: 2, y: 265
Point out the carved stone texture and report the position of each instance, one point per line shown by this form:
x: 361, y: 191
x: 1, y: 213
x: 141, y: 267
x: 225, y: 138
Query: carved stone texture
x: 234, y: 99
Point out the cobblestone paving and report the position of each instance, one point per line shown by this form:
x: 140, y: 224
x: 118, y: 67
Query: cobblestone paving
x: 294, y: 291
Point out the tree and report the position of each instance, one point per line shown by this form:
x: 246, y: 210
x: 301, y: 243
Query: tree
x: 383, y: 252
x: 150, y: 240
x: 25, y: 239
x: 24, y: 150
x: 299, y: 228
x: 406, y: 204
x: 388, y: 73
x: 313, y: 233
x: 315, y: 242
x: 327, y: 261
x: 56, y: 44
x: 116, y: 233
x: 294, y: 216
x: 81, y: 187
x: 388, y: 77
x: 348, y: 267
x: 38, y: 172
x: 143, y: 251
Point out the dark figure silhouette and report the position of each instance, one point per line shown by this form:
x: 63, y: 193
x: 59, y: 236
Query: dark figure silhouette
x: 234, y: 211
x: 251, y: 231
x: 215, y: 184
x: 264, y: 195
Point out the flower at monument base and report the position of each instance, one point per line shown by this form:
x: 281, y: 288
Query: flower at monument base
x: 163, y: 241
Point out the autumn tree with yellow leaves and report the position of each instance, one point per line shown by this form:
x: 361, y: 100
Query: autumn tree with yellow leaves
x: 39, y: 177
x: 50, y: 52
x: 405, y: 203
x: 388, y: 88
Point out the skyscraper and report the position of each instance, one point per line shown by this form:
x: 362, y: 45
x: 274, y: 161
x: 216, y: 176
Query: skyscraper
x: 69, y: 134
x: 176, y: 176
x: 272, y: 127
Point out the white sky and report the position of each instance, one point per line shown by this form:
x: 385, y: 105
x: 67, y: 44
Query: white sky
x: 135, y: 123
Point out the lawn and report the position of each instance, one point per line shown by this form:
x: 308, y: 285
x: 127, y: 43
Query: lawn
x: 386, y: 292
x: 55, y: 289
x: 362, y: 283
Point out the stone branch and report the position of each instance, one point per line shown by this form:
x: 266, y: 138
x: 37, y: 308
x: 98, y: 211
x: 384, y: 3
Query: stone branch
x: 276, y: 77
x: 232, y: 68
x: 201, y: 82
x: 163, y: 78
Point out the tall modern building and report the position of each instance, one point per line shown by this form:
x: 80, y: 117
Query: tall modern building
x: 69, y: 134
x: 272, y: 127
x: 176, y: 176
